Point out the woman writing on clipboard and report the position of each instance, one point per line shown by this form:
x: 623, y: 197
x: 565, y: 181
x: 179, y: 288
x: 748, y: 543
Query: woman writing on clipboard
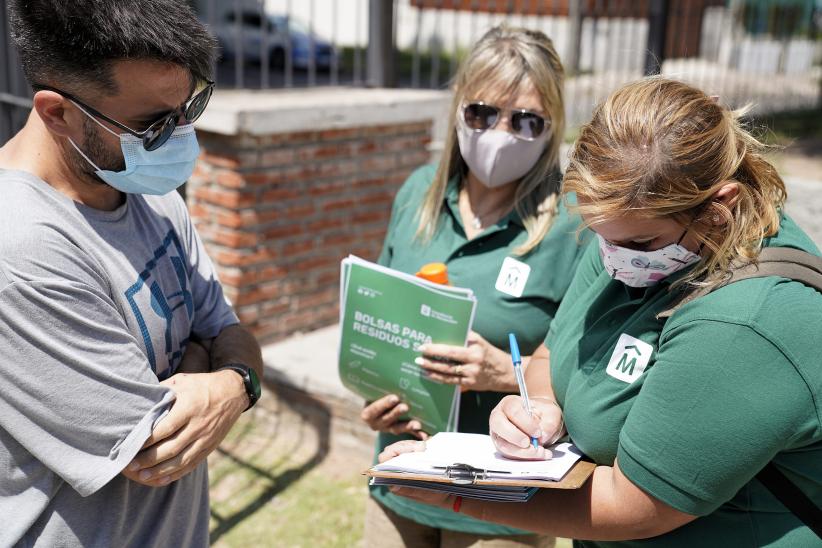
x: 490, y: 210
x: 679, y: 385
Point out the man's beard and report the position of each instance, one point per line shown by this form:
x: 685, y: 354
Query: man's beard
x: 96, y: 150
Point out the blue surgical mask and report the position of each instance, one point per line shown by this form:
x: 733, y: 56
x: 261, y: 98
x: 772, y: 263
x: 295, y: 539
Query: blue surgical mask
x: 155, y: 172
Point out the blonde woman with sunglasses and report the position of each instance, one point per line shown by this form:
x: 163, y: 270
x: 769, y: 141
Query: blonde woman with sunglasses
x: 681, y: 366
x: 490, y: 210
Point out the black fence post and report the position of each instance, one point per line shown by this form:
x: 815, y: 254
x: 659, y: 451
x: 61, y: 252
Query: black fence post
x: 574, y: 36
x: 380, y: 71
x: 657, y: 31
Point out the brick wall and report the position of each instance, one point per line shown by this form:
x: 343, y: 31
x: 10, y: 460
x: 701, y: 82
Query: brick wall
x: 278, y: 212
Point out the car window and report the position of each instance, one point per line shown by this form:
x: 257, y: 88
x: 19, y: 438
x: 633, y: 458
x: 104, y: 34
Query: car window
x: 298, y: 26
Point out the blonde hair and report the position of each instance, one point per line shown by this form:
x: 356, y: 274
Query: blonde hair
x: 661, y: 148
x: 504, y: 62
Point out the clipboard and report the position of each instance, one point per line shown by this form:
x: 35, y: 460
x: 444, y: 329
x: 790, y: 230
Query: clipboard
x: 462, y: 474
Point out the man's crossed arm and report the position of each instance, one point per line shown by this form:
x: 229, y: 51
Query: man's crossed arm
x: 208, y: 402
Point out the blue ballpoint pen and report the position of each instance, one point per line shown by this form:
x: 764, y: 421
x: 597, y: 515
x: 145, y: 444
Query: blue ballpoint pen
x: 523, y: 390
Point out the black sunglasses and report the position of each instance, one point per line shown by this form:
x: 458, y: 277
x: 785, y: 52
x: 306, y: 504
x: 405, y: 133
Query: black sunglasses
x: 525, y: 124
x: 158, y: 132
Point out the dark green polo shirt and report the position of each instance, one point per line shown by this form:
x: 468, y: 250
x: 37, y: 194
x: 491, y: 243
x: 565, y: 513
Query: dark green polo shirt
x: 693, y: 407
x: 476, y: 264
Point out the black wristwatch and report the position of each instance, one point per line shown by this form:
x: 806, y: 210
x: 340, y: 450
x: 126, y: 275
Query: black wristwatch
x: 250, y: 380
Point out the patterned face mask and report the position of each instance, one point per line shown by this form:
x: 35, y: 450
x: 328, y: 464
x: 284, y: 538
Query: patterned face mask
x: 637, y: 268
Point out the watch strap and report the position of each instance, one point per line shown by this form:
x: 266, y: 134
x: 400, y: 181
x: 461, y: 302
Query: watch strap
x: 246, y: 372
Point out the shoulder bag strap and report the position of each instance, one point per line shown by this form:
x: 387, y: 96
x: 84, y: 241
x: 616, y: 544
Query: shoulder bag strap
x: 791, y: 497
x: 784, y: 262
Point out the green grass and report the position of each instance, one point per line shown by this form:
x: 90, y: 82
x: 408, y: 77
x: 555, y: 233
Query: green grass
x: 313, y: 511
x: 404, y: 65
x: 274, y: 482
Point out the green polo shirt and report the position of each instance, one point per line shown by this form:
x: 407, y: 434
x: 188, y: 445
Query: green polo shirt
x: 476, y: 264
x: 730, y: 382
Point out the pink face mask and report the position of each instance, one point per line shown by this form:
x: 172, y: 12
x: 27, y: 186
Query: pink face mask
x: 637, y: 268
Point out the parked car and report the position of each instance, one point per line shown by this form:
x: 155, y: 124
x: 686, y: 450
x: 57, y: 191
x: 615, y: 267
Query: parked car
x: 278, y: 31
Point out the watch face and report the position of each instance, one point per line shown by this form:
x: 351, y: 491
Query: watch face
x: 255, y: 383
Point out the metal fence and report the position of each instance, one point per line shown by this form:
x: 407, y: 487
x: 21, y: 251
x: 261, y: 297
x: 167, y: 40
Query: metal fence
x: 763, y: 51
x: 14, y: 92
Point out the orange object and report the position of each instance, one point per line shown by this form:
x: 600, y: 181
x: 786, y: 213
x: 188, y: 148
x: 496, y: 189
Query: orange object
x: 434, y: 272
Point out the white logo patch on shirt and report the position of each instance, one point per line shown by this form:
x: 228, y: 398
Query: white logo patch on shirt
x: 630, y: 358
x: 512, y: 277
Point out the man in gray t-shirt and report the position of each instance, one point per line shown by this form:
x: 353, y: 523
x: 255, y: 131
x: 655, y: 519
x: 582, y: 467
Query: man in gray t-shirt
x: 121, y: 362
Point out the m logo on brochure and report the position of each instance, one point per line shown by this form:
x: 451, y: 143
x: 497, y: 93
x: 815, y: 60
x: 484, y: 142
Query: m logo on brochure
x: 425, y: 310
x: 629, y: 359
x: 512, y: 277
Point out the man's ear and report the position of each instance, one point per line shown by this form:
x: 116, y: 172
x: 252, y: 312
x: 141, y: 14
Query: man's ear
x: 727, y: 196
x: 54, y: 112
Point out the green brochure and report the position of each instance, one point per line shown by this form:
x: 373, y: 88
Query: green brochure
x: 385, y: 315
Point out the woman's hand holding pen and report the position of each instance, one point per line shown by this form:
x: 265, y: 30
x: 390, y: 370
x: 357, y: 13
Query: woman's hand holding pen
x: 512, y: 428
x: 480, y: 366
x: 383, y: 415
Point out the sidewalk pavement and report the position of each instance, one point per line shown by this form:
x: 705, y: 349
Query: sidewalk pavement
x: 304, y: 369
x: 805, y: 205
x: 307, y: 363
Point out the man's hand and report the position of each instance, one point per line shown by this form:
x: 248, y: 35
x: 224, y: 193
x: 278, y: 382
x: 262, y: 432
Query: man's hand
x: 206, y: 407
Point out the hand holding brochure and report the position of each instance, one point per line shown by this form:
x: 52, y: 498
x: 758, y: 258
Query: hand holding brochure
x: 385, y: 315
x: 469, y: 465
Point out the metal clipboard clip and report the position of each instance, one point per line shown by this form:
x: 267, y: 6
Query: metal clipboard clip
x: 464, y: 474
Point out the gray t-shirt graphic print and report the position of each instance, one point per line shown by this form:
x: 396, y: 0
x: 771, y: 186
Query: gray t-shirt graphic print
x: 162, y: 291
x: 96, y: 308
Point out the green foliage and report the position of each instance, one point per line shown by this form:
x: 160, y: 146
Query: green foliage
x: 404, y: 63
x: 785, y: 127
